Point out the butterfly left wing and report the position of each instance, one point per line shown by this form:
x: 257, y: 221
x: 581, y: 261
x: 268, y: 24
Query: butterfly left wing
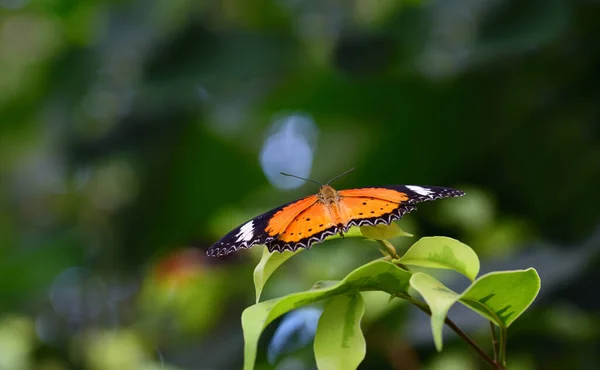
x: 382, y: 205
x: 310, y: 226
x: 261, y: 229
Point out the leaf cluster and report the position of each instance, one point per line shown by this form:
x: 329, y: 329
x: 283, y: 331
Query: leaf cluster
x: 501, y: 297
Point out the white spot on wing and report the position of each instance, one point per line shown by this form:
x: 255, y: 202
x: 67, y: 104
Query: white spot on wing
x: 246, y: 232
x: 420, y: 190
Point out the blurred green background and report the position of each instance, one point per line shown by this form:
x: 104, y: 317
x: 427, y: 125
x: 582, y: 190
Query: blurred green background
x: 134, y: 134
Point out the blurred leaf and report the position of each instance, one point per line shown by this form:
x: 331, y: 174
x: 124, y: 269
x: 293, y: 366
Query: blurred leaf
x: 112, y: 349
x: 268, y: 263
x: 375, y: 12
x: 185, y: 288
x: 504, y: 238
x: 25, y: 272
x: 569, y: 321
x: 502, y: 296
x: 339, y: 341
x: 383, y: 232
x: 439, y: 298
x: 17, y: 341
x: 377, y: 275
x: 513, y: 27
x: 473, y: 213
x: 443, y: 253
x: 453, y: 360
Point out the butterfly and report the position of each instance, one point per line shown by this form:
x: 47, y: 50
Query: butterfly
x: 311, y: 219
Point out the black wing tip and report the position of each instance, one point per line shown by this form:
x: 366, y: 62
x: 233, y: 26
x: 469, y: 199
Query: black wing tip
x: 220, y: 251
x: 455, y: 193
x: 445, y: 191
x: 440, y: 194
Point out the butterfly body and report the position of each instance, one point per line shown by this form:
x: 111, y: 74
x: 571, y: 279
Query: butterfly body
x: 310, y: 220
x: 330, y: 198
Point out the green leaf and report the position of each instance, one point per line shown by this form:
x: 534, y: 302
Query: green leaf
x: 502, y: 296
x: 378, y: 304
x: 439, y: 298
x: 443, y: 253
x: 268, y: 263
x: 339, y: 341
x: 383, y: 232
x: 377, y: 275
x: 321, y: 284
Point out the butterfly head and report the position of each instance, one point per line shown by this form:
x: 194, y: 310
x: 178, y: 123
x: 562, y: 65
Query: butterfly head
x: 327, y: 194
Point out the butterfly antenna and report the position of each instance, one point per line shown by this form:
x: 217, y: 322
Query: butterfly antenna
x: 341, y: 174
x: 301, y: 178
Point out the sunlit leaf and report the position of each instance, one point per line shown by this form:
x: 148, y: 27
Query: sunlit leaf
x: 377, y: 275
x: 339, y: 341
x: 439, y: 298
x: 443, y: 253
x: 268, y: 263
x: 378, y: 304
x: 383, y: 232
x: 322, y: 284
x: 502, y: 296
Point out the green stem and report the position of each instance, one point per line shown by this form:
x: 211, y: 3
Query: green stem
x: 494, y: 341
x: 389, y: 248
x: 423, y: 307
x: 502, y: 355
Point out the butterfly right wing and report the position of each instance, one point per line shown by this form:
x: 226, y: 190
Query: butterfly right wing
x: 262, y: 229
x: 382, y: 205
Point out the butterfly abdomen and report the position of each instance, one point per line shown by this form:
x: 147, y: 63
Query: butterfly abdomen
x: 338, y: 214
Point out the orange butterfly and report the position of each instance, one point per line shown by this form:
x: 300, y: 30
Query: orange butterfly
x: 309, y: 220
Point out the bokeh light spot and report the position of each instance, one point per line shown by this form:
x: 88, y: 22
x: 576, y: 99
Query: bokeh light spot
x: 289, y: 148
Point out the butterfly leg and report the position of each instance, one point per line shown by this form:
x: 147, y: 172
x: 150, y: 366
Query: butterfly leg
x: 340, y: 230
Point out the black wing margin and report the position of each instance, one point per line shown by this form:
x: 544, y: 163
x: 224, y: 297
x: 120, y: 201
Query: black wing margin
x: 423, y: 193
x: 251, y: 232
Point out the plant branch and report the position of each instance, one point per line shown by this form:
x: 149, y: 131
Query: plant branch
x: 423, y: 307
x: 494, y: 341
x: 388, y: 248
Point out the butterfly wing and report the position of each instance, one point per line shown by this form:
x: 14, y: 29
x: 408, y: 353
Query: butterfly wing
x: 382, y: 205
x: 261, y: 229
x: 309, y: 226
x: 301, y: 223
